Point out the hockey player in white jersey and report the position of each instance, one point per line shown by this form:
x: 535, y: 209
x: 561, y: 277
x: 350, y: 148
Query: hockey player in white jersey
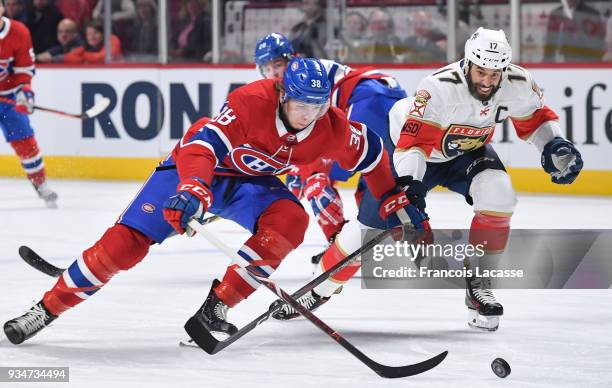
x: 442, y: 137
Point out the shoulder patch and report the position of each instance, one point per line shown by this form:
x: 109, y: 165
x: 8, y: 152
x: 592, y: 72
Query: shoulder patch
x: 537, y: 89
x: 420, y: 103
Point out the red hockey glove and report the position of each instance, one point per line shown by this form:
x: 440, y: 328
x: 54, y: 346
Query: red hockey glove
x: 192, y: 200
x: 326, y: 203
x: 24, y: 100
x: 397, y: 210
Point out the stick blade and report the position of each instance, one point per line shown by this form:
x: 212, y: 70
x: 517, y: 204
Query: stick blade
x: 201, y: 336
x: 98, y: 108
x: 393, y: 372
x: 37, y: 262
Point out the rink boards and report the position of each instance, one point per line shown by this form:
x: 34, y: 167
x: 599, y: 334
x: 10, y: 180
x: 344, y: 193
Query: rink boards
x: 152, y: 106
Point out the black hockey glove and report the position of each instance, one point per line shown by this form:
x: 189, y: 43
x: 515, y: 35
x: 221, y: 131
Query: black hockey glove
x: 561, y: 160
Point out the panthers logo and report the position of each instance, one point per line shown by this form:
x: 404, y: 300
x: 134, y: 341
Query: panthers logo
x: 252, y: 162
x: 460, y: 139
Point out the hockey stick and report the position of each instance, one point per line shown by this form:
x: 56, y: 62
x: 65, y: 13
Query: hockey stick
x: 90, y: 113
x: 211, y: 345
x: 37, y: 262
x: 380, y: 369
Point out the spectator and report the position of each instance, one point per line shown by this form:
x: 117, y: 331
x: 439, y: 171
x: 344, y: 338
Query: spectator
x: 16, y: 10
x: 384, y: 46
x: 68, y: 38
x: 194, y: 39
x: 121, y: 10
x: 354, y: 38
x: 568, y: 39
x: 426, y: 45
x: 78, y: 10
x: 144, y: 32
x: 43, y: 19
x: 310, y: 35
x: 94, y: 51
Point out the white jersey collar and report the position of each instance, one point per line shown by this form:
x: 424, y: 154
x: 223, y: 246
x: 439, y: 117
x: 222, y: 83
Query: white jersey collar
x: 6, y: 27
x: 282, y: 130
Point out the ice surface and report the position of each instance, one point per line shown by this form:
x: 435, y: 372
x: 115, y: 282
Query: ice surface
x: 127, y: 334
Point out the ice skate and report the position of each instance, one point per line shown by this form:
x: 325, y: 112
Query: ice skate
x: 311, y: 301
x: 483, y: 309
x: 29, y: 324
x: 47, y: 195
x: 213, y: 315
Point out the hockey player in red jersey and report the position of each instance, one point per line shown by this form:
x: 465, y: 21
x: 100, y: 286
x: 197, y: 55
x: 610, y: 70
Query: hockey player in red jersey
x: 17, y: 102
x: 365, y: 95
x: 227, y: 166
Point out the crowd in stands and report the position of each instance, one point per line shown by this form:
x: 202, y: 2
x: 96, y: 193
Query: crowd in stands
x: 72, y: 31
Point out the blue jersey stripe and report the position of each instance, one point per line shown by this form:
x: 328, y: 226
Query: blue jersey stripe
x: 375, y: 148
x: 79, y: 279
x: 210, y: 137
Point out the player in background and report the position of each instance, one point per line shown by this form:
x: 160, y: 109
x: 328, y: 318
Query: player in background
x: 365, y: 95
x: 442, y: 137
x: 227, y: 166
x: 17, y: 102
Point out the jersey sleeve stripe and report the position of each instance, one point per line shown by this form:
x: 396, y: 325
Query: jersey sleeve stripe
x: 372, y: 151
x: 209, y: 138
x: 221, y: 135
x: 203, y: 144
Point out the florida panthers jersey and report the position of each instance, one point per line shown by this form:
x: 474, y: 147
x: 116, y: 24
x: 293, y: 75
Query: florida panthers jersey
x: 16, y: 56
x: 248, y: 138
x: 443, y: 120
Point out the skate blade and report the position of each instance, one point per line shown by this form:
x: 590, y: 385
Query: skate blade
x: 188, y: 342
x: 482, y: 322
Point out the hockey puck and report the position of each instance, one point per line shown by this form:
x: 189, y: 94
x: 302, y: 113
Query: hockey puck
x: 500, y: 367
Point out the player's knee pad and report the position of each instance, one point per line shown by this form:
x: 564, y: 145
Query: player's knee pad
x: 492, y: 191
x: 280, y: 229
x: 286, y: 217
x: 26, y: 148
x: 119, y: 249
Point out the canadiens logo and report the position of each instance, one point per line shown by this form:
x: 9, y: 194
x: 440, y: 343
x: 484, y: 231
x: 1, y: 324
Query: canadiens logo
x: 148, y: 208
x: 420, y: 103
x: 252, y: 162
x: 460, y: 139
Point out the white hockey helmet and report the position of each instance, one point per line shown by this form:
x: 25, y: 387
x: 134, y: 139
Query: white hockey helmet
x: 489, y: 49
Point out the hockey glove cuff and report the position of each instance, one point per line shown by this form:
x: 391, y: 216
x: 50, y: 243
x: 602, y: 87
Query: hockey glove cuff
x: 192, y: 200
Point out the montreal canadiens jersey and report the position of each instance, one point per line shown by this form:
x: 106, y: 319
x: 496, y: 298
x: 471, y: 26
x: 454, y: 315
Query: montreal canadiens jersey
x: 16, y: 56
x: 443, y: 120
x: 248, y: 138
